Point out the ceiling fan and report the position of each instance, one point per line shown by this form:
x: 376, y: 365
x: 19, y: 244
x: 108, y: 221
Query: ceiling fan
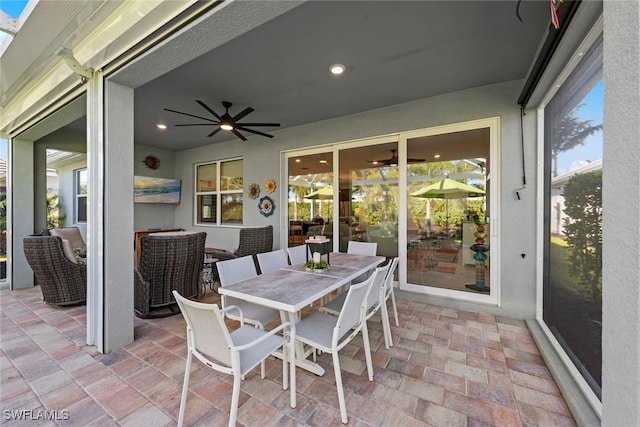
x: 393, y: 160
x: 226, y: 121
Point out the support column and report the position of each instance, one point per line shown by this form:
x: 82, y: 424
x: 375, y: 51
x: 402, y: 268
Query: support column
x: 110, y: 317
x: 621, y: 207
x: 21, y: 193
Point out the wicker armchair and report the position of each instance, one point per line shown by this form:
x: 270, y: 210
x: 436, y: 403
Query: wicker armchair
x: 253, y: 241
x: 61, y: 281
x: 168, y: 261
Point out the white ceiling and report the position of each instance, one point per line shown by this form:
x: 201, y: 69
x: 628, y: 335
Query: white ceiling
x: 395, y: 52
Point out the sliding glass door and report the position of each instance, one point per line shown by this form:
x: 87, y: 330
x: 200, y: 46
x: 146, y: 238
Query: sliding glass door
x: 447, y: 233
x: 386, y: 190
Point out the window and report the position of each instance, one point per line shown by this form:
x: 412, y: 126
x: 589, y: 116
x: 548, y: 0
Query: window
x: 219, y: 188
x: 81, y: 179
x: 572, y: 286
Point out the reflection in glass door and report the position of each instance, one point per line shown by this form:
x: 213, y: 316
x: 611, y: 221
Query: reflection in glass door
x: 310, y: 196
x: 447, y: 221
x: 368, y: 181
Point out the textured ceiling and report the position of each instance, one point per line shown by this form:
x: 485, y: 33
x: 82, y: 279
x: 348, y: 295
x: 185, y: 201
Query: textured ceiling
x: 395, y: 52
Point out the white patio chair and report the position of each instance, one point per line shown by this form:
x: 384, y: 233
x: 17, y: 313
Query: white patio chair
x: 330, y: 333
x: 236, y: 270
x: 390, y: 294
x: 273, y: 260
x: 298, y: 254
x: 235, y: 353
x: 376, y: 299
x: 362, y: 248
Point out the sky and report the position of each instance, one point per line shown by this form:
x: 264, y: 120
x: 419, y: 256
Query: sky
x: 13, y: 8
x: 592, y: 148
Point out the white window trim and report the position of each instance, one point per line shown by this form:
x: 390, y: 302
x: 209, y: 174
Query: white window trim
x: 77, y: 196
x: 217, y: 193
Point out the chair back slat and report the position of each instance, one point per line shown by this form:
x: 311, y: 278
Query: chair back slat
x: 298, y: 254
x: 236, y: 270
x: 353, y: 310
x: 208, y: 334
x: 378, y: 287
x: 388, y: 281
x: 362, y: 248
x: 269, y: 261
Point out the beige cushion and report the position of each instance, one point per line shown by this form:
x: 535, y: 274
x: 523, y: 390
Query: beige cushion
x: 68, y: 251
x: 172, y: 233
x: 72, y: 234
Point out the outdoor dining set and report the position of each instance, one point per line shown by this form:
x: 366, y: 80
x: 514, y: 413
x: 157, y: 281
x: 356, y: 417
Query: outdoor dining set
x: 272, y: 288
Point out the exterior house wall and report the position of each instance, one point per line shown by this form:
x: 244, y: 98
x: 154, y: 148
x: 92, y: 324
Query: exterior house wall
x: 65, y: 140
x: 262, y: 160
x: 621, y: 206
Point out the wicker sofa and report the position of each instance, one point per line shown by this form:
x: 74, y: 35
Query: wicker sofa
x: 168, y: 261
x: 62, y: 281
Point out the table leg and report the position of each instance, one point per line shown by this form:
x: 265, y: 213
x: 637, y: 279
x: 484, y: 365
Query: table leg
x: 292, y: 361
x: 298, y: 349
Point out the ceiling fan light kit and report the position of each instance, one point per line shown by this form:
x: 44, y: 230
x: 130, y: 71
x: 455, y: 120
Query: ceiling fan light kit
x: 393, y: 160
x: 225, y: 121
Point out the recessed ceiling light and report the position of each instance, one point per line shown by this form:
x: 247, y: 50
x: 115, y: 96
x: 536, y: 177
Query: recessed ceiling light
x: 436, y: 156
x: 297, y: 160
x: 161, y: 126
x: 323, y: 161
x: 337, y: 69
x: 375, y: 162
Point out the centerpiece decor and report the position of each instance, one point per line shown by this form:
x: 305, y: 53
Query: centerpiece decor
x: 317, y: 264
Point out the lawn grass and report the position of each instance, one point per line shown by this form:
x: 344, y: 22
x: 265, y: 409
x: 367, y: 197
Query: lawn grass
x: 559, y: 267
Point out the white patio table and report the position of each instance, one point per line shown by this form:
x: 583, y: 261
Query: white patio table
x: 292, y: 288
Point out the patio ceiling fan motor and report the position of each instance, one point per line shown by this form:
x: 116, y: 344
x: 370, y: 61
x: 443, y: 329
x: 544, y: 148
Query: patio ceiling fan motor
x: 225, y: 121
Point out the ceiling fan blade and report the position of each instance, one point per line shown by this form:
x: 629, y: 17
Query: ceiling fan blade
x: 191, y: 115
x: 206, y: 107
x: 195, y: 124
x: 243, y: 113
x: 244, y: 129
x: 216, y: 130
x: 238, y: 134
x: 416, y: 160
x: 258, y: 124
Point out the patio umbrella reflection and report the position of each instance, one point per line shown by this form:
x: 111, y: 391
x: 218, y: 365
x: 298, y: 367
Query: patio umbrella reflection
x: 324, y: 193
x: 448, y: 189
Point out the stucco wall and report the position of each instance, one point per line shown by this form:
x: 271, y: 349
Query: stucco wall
x: 621, y: 210
x: 262, y: 160
x: 154, y: 215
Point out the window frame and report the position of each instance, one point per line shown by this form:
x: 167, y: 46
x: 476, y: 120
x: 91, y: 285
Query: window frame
x: 77, y: 196
x: 218, y: 193
x: 570, y: 63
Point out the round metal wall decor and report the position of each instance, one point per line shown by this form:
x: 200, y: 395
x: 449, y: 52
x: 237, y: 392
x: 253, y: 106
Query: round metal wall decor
x: 152, y: 162
x: 266, y: 206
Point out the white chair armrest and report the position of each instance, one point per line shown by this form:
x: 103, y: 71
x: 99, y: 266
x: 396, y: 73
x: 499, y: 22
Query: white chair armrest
x: 263, y: 337
x: 233, y: 308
